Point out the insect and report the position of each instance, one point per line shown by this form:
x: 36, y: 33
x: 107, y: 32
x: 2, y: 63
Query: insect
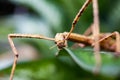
x: 61, y: 39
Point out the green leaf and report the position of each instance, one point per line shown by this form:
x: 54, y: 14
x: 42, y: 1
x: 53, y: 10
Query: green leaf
x: 85, y: 59
x: 45, y: 69
x: 50, y: 69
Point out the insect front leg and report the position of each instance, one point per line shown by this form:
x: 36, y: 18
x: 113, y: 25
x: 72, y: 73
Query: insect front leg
x: 78, y: 16
x: 10, y: 36
x: 15, y: 58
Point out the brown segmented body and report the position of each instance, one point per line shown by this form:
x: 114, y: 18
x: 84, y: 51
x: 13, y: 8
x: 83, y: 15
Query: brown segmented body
x: 107, y: 44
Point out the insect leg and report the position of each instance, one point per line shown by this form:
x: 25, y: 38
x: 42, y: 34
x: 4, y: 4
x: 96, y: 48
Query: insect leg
x: 88, y: 31
x: 117, y: 37
x: 78, y: 16
x: 117, y: 43
x: 10, y: 36
x: 96, y: 32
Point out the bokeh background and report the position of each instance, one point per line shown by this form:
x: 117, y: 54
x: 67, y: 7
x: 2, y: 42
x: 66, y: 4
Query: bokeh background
x: 48, y: 17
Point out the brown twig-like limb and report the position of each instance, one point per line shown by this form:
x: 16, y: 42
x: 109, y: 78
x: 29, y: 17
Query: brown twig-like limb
x: 96, y: 33
x: 117, y: 41
x: 78, y: 16
x: 10, y: 36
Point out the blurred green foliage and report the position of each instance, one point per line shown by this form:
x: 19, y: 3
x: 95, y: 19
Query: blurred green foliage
x: 110, y: 65
x: 48, y: 17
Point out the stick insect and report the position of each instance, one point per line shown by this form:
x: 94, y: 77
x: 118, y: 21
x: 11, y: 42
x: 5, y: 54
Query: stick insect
x: 62, y: 38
